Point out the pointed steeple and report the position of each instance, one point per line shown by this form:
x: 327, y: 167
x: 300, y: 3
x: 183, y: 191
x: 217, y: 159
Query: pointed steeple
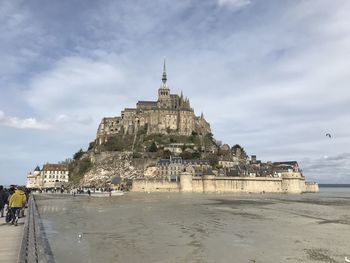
x: 164, y: 79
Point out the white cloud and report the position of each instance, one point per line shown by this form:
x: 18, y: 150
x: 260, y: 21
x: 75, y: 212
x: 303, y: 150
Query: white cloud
x: 18, y: 123
x: 234, y: 4
x: 75, y: 87
x: 73, y: 119
x: 333, y: 169
x: 20, y: 38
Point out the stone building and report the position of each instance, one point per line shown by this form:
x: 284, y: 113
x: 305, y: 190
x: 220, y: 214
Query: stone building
x: 170, y: 167
x: 285, y: 167
x: 54, y: 175
x: 50, y: 176
x: 34, y: 179
x: 174, y: 148
x: 226, y: 161
x: 171, y: 113
x: 174, y: 166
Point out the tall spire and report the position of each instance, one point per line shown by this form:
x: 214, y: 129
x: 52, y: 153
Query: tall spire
x: 164, y: 79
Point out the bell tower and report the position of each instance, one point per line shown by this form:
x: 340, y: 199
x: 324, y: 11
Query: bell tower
x: 164, y: 100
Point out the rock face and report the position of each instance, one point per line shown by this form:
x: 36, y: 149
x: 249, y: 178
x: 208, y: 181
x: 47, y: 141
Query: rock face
x: 109, y: 164
x: 151, y: 172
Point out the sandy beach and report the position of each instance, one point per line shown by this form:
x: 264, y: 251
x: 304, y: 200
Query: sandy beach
x: 199, y: 227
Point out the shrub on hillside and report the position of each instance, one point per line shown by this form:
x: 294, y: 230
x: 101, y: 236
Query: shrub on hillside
x: 153, y: 148
x: 78, y: 154
x: 84, y: 165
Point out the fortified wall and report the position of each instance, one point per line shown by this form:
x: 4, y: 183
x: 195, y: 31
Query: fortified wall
x: 287, y: 183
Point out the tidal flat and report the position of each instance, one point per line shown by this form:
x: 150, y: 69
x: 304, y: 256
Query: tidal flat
x: 169, y: 228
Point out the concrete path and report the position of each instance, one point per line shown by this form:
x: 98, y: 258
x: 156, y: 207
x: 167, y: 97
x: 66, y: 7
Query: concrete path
x: 11, y: 237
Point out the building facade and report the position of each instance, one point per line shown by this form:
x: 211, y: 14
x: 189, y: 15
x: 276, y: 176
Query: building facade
x: 174, y: 166
x: 54, y: 173
x: 50, y: 176
x: 34, y: 179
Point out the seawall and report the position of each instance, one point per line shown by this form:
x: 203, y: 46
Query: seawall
x: 287, y: 183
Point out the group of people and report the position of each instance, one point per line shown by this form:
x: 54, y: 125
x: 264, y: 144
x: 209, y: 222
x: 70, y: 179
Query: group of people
x: 13, y: 202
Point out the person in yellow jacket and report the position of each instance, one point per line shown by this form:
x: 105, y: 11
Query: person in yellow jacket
x: 16, y: 203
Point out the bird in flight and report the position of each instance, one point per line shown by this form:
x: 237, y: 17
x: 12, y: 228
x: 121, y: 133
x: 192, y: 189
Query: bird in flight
x: 328, y: 135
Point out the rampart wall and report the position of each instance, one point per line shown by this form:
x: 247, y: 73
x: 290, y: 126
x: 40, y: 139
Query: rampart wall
x: 288, y: 183
x: 236, y: 184
x: 154, y: 185
x: 311, y: 187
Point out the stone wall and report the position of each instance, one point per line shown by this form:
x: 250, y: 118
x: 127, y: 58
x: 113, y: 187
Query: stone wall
x: 311, y: 187
x: 293, y: 183
x: 154, y: 185
x: 288, y: 183
x: 236, y: 184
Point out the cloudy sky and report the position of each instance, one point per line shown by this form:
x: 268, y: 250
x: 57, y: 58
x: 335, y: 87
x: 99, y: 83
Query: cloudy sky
x: 270, y: 75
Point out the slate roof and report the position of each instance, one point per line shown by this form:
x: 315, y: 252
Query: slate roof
x: 54, y: 167
x: 196, y: 161
x: 146, y: 102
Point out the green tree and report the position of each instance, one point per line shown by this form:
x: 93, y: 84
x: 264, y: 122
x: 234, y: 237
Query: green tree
x: 196, y: 155
x: 78, y: 154
x: 114, y: 143
x: 84, y: 165
x: 186, y: 155
x: 153, y: 148
x: 213, y: 159
x: 91, y: 145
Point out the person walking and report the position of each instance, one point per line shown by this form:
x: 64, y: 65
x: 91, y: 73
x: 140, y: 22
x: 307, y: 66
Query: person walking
x: 3, y: 200
x: 16, y: 203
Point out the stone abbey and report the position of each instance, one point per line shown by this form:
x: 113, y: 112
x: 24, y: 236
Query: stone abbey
x: 170, y: 114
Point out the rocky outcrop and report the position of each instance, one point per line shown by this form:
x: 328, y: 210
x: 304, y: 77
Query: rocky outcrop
x: 109, y: 164
x: 151, y: 172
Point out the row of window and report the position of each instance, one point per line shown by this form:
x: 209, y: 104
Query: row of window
x: 53, y: 176
x: 52, y: 181
x: 56, y: 172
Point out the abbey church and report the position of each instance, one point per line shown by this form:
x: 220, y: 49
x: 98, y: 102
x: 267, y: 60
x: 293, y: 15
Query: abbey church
x: 170, y: 114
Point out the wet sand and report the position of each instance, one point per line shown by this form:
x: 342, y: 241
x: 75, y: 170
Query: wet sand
x: 199, y: 228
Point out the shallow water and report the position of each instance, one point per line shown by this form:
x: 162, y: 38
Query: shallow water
x: 176, y: 227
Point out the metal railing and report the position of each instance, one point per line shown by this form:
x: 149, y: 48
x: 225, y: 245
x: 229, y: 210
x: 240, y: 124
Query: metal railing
x: 35, y: 247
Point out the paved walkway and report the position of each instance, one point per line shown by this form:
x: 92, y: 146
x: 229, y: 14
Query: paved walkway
x: 11, y: 237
